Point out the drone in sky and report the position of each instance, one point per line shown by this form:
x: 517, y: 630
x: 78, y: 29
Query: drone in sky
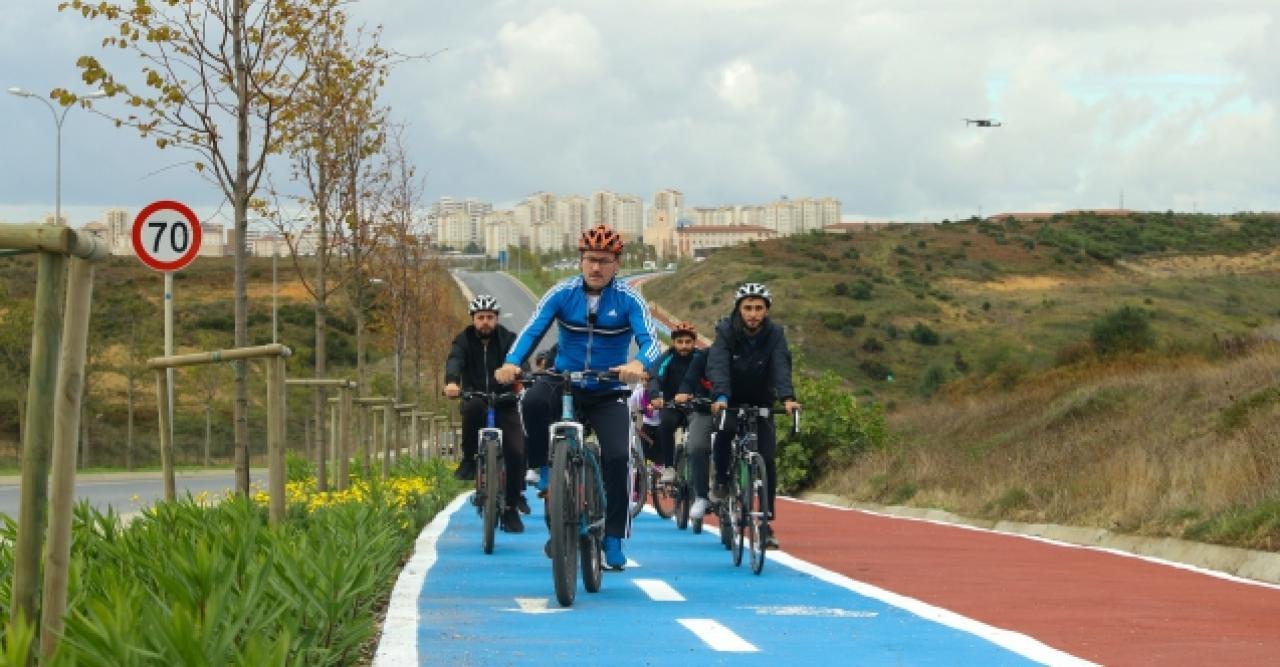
x: 982, y: 122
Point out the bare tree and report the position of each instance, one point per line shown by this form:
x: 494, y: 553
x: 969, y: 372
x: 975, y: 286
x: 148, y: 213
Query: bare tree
x: 218, y: 76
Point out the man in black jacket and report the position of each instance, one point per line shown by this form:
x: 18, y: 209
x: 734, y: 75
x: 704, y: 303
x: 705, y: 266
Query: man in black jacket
x: 477, y: 352
x: 749, y: 364
x: 663, y: 387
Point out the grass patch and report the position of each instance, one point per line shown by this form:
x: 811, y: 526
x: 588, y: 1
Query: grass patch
x: 1255, y: 526
x: 1236, y: 415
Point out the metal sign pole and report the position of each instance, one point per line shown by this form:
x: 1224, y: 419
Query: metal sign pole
x: 168, y: 342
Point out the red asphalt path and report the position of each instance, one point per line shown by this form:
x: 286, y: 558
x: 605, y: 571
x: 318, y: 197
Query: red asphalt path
x: 1100, y: 606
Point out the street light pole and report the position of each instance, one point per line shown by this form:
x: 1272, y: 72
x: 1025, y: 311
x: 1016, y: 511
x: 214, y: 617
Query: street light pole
x: 57, y: 157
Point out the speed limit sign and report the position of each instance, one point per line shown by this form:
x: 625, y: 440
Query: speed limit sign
x: 166, y: 235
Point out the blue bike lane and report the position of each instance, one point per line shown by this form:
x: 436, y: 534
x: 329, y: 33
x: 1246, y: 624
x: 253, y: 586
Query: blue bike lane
x: 680, y: 601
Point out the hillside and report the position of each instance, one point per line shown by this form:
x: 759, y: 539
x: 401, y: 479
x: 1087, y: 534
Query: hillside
x: 1002, y: 403
x: 127, y: 327
x: 983, y: 304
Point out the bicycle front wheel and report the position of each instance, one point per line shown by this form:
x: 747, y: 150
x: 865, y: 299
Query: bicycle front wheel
x: 562, y: 507
x: 592, y: 519
x: 490, y: 474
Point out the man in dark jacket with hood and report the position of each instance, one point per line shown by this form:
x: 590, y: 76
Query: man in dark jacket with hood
x: 749, y: 364
x: 477, y: 352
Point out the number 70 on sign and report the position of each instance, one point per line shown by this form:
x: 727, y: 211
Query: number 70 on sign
x: 166, y: 235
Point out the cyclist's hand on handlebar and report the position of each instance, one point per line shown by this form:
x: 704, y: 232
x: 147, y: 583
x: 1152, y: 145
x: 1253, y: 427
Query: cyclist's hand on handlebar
x: 791, y: 406
x: 631, y: 372
x: 681, y: 398
x: 657, y: 403
x: 718, y: 406
x: 452, y: 390
x: 506, y: 373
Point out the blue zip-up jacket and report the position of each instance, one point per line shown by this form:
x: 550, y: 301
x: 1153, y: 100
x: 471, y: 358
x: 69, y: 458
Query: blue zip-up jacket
x: 587, y: 343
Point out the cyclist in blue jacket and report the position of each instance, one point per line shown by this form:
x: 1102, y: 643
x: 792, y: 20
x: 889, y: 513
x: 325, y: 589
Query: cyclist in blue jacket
x: 598, y: 317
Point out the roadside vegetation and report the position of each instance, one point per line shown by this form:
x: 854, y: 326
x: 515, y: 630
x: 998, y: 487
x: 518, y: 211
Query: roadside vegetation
x: 1105, y: 371
x: 126, y: 330
x: 206, y: 581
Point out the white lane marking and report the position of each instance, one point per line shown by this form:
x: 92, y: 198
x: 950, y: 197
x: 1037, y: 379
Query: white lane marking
x: 801, y: 610
x: 399, y: 643
x: 630, y: 564
x: 1036, y: 538
x: 535, y: 606
x: 658, y: 590
x: 717, y: 636
x: 1013, y: 641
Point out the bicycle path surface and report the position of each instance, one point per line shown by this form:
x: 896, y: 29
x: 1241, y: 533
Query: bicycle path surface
x: 851, y: 587
x: 680, y: 600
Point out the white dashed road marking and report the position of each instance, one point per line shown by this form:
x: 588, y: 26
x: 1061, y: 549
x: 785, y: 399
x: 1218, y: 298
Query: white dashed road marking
x: 717, y: 636
x: 658, y: 590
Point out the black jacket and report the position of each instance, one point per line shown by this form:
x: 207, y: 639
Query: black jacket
x: 747, y: 374
x: 471, y: 364
x: 670, y: 372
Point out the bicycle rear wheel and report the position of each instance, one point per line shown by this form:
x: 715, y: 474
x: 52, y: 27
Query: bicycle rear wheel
x: 490, y: 466
x: 638, y: 485
x: 681, y: 493
x: 758, y: 511
x: 663, y: 496
x: 739, y: 488
x: 589, y: 542
x: 562, y: 506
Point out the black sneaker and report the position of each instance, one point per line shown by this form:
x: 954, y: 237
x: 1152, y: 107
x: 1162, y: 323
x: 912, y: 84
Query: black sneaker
x: 466, y: 470
x: 770, y: 540
x: 522, y: 504
x: 511, y: 522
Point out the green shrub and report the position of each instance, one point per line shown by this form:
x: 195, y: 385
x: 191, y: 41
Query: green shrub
x: 834, y: 428
x: 932, y: 380
x: 875, y: 370
x: 922, y: 334
x: 1126, y: 330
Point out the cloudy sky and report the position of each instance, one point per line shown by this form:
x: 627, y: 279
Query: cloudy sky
x: 1174, y: 103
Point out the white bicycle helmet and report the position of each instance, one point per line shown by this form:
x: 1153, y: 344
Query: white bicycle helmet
x: 483, y: 302
x: 753, y: 289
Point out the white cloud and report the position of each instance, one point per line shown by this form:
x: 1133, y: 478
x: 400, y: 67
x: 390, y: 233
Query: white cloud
x: 738, y: 85
x: 1170, y: 100
x: 533, y: 59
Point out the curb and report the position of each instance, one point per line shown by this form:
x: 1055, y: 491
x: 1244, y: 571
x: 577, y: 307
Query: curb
x: 1246, y: 565
x: 467, y: 295
x: 532, y: 296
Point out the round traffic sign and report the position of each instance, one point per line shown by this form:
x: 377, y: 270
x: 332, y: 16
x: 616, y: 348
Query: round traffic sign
x: 166, y: 235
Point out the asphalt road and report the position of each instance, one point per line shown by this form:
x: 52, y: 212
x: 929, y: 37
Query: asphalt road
x: 517, y: 306
x: 130, y: 492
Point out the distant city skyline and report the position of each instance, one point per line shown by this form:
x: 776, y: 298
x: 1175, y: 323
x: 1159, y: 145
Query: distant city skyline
x: 1166, y: 105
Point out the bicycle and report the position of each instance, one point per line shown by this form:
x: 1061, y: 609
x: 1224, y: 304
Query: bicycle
x: 683, y: 491
x: 745, y: 513
x: 575, y: 495
x: 491, y: 472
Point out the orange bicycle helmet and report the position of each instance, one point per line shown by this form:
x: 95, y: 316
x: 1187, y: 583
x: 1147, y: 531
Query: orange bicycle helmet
x: 602, y: 238
x: 684, y: 329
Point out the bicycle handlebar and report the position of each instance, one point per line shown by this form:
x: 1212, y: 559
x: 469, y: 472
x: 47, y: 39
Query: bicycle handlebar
x: 487, y: 396
x: 577, y: 376
x: 761, y: 411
